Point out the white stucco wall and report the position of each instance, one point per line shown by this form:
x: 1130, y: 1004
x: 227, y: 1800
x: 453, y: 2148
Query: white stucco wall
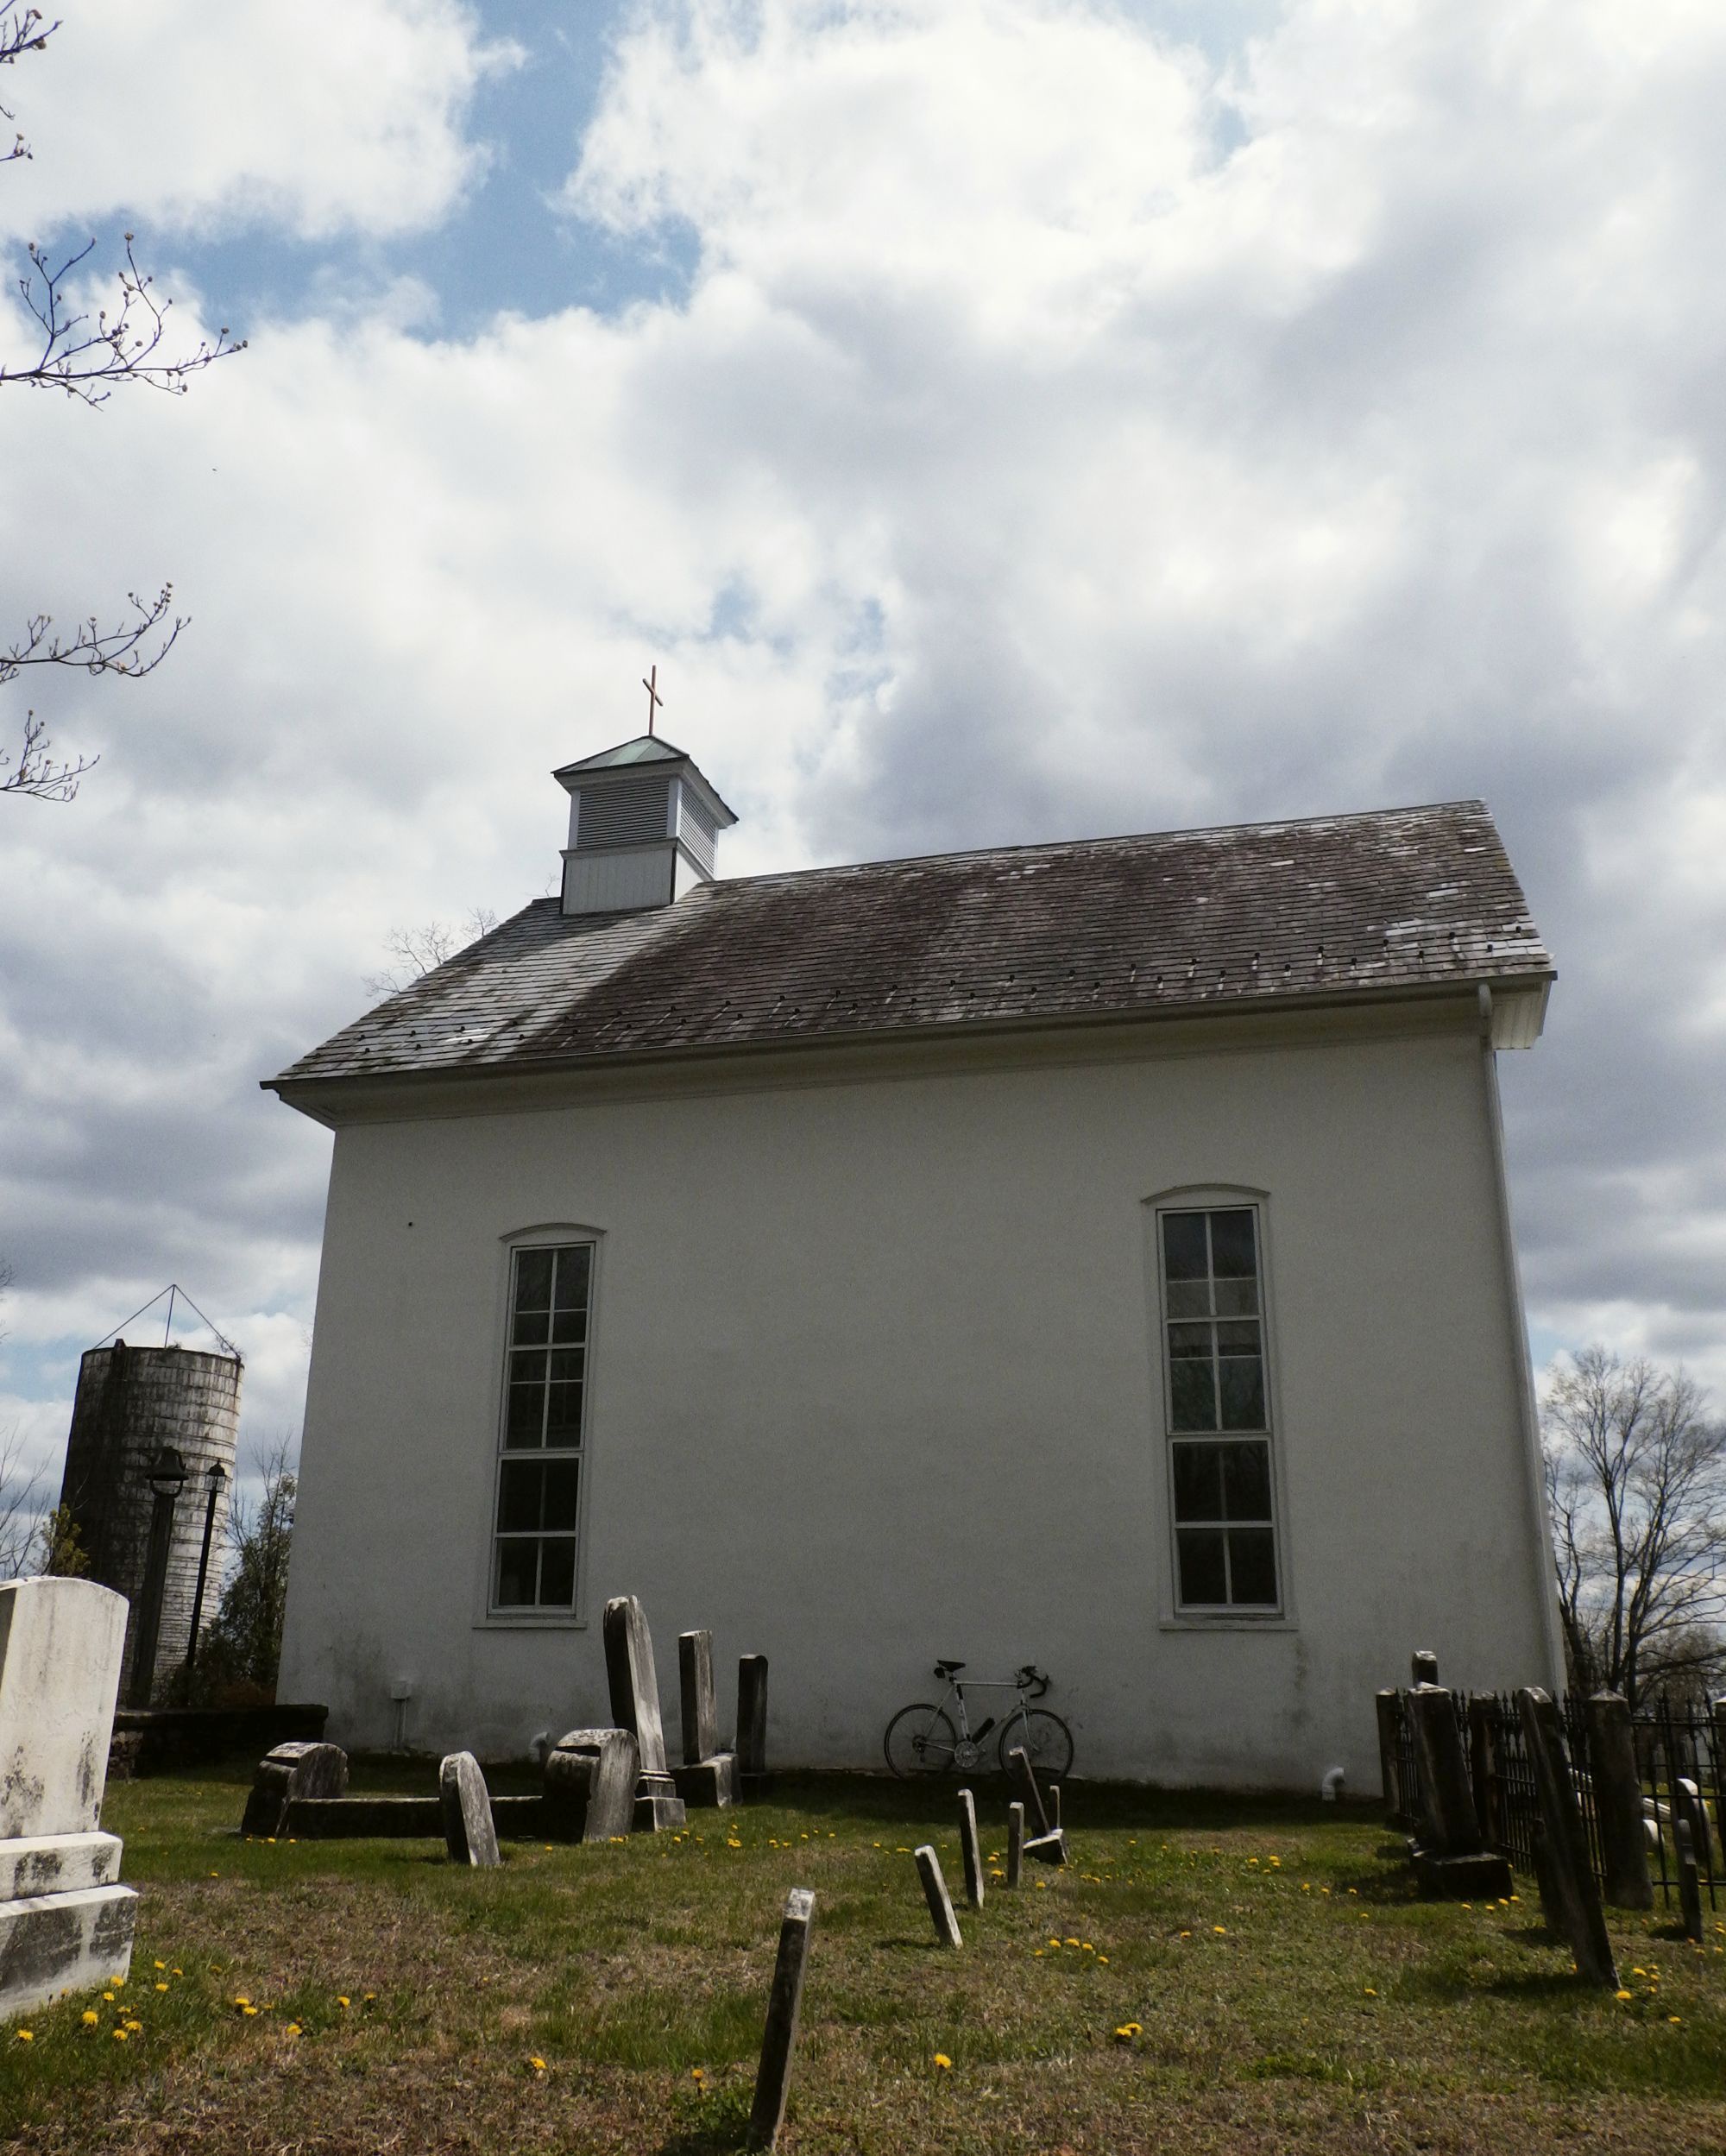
x: 875, y: 1377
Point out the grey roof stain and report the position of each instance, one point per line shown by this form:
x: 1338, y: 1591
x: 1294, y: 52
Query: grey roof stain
x: 1401, y: 899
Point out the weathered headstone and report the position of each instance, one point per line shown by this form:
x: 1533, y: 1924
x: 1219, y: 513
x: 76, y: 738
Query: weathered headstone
x: 590, y: 1777
x: 1055, y: 1807
x: 1451, y: 1856
x: 706, y: 1776
x: 972, y: 1849
x: 1687, y: 1805
x: 1618, y: 1802
x: 64, y: 1921
x: 1022, y: 1776
x: 1016, y: 1841
x: 752, y: 1724
x: 287, y: 1772
x: 1575, y: 1900
x: 784, y: 2004
x: 1423, y: 1667
x: 635, y: 1706
x: 468, y: 1833
x: 1689, y: 1879
x: 935, y: 1893
x: 1485, y: 1768
x: 1389, y: 1765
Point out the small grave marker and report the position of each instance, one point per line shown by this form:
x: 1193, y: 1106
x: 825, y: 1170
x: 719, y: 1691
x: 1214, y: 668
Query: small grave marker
x: 469, y: 1833
x: 289, y: 1772
x: 752, y: 1724
x: 1575, y: 1900
x: 706, y: 1776
x: 972, y: 1849
x: 1016, y: 1841
x: 935, y: 1893
x: 1450, y: 1857
x: 785, y: 2004
x: 590, y: 1777
x: 1689, y: 1879
x: 1618, y: 1802
x: 1423, y: 1667
x: 635, y: 1706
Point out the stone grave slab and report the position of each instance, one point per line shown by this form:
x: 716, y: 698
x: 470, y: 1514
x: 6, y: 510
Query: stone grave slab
x: 752, y: 1725
x: 706, y: 1776
x: 785, y: 2005
x: 935, y: 1893
x: 590, y: 1777
x: 1575, y: 1900
x: 289, y: 1772
x: 634, y: 1688
x: 470, y: 1833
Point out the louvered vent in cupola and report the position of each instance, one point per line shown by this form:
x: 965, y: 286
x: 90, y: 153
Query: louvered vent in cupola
x: 644, y: 828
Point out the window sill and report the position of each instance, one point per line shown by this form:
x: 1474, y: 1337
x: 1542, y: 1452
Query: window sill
x: 1228, y: 1621
x: 530, y: 1621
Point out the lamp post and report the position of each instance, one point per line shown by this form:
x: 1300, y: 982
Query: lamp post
x: 167, y: 1473
x: 215, y: 1478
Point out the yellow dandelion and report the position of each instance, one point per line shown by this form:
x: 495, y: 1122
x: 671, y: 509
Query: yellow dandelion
x: 89, y: 2017
x: 119, y: 2036
x: 536, y: 2064
x: 293, y: 2028
x: 161, y: 1964
x: 1370, y: 1993
x: 26, y: 2036
x: 1623, y: 1995
x: 1221, y: 1930
x: 161, y: 1987
x: 1186, y: 1935
x: 108, y: 1997
x: 943, y: 2061
x: 1102, y: 1961
x: 240, y: 1998
x: 248, y: 2011
x: 136, y: 2027
x: 343, y: 2000
x: 1674, y: 2017
x: 176, y: 1972
x: 1070, y: 1941
x: 1127, y: 2031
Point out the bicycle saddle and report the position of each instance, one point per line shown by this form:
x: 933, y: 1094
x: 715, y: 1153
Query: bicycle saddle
x: 946, y: 1669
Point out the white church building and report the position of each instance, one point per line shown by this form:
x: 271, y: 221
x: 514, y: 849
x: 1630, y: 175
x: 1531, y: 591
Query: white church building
x: 1095, y: 1255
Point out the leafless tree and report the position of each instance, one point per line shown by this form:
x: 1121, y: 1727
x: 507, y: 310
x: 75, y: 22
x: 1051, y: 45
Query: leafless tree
x: 21, y: 1509
x: 87, y: 357
x: 1636, y: 1480
x: 419, y: 951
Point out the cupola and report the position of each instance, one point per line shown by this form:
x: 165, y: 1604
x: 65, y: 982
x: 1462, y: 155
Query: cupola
x: 644, y: 828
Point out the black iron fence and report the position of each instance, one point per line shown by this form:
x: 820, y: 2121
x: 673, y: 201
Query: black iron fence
x: 1679, y: 1750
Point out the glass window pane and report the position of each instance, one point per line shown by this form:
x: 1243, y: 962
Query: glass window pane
x: 1202, y: 1578
x: 1252, y: 1568
x: 1233, y: 1253
x: 532, y: 1295
x: 1190, y: 1339
x: 1192, y: 1396
x: 1189, y: 1298
x: 1199, y: 1482
x: 562, y: 1489
x: 1236, y: 1298
x: 573, y: 1265
x: 569, y: 1327
x: 1242, y: 1377
x: 1184, y: 1256
x: 564, y: 1414
x: 1246, y: 1481
x: 517, y: 1567
x: 520, y: 1482
x: 556, y: 1574
x: 1239, y: 1338
x: 524, y: 1422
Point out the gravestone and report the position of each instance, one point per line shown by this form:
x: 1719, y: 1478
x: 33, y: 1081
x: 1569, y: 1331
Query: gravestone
x: 935, y: 1893
x: 1689, y: 1879
x: 590, y: 1777
x: 1687, y: 1805
x: 752, y: 1724
x: 1047, y: 1845
x: 1618, y: 1802
x: 468, y: 1833
x: 1576, y: 1903
x: 972, y: 1849
x: 1485, y: 1768
x: 784, y: 2004
x: 707, y: 1775
x: 635, y: 1706
x: 287, y: 1772
x: 1016, y: 1841
x: 1389, y: 1767
x: 1423, y: 1667
x: 1450, y: 1855
x: 64, y: 1921
x: 1053, y: 1807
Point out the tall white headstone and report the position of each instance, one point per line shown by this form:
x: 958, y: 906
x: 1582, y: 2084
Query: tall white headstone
x: 64, y: 1922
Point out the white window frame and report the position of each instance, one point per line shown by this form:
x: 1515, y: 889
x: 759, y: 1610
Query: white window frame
x: 549, y: 1235
x: 1179, y: 1614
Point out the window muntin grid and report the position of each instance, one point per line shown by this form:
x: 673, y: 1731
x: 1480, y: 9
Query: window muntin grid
x: 540, y: 1442
x: 1214, y: 1368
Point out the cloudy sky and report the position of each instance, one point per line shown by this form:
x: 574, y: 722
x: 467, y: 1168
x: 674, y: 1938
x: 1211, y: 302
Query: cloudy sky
x: 999, y: 420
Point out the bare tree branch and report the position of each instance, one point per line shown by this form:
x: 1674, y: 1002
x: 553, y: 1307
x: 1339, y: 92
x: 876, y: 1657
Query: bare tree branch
x: 21, y: 30
x: 419, y: 951
x: 1636, y: 1482
x: 132, y: 648
x: 86, y: 358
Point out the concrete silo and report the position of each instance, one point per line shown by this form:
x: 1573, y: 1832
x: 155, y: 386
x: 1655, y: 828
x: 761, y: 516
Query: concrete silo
x: 148, y: 1425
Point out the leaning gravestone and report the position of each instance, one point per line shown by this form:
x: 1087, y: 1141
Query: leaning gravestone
x: 1618, y: 1802
x: 1689, y: 1879
x: 1047, y: 1845
x: 1575, y: 1899
x: 635, y: 1706
x: 469, y: 1832
x: 64, y: 1921
x: 972, y: 1847
x: 590, y: 1777
x: 935, y: 1893
x: 289, y: 1772
x: 707, y: 1776
x: 752, y: 1724
x: 1451, y: 1856
x: 785, y: 2004
x: 1389, y: 1765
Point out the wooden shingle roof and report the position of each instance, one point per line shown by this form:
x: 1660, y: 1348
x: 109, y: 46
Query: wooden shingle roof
x: 1400, y: 900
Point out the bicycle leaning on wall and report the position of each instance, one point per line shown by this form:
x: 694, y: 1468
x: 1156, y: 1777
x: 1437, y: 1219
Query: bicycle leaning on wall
x: 926, y: 1738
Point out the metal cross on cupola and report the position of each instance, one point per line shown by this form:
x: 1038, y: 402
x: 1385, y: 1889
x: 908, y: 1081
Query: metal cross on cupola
x: 649, y: 681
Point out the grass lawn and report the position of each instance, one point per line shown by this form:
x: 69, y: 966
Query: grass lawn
x: 1211, y: 1973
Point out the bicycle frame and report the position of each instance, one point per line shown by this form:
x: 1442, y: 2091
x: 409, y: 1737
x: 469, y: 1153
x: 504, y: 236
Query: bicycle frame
x: 1031, y: 1688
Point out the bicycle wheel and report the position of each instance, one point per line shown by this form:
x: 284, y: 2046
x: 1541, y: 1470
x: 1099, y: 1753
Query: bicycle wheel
x: 920, y: 1740
x: 1046, y: 1739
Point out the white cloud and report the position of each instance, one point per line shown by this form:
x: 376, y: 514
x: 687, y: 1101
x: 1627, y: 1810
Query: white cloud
x: 204, y: 117
x: 1058, y: 436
